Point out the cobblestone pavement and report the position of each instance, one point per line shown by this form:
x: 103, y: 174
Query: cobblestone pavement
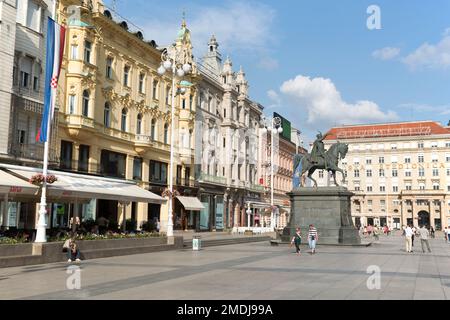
x: 254, y: 271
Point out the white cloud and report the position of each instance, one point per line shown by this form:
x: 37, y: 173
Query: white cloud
x: 432, y: 56
x: 387, y: 53
x: 275, y: 98
x: 323, y: 104
x: 426, y: 108
x: 236, y: 25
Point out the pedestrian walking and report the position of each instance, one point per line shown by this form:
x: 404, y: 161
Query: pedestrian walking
x: 448, y: 234
x: 408, y: 238
x: 432, y: 232
x: 297, y: 240
x: 445, y: 234
x: 424, y: 235
x: 414, y: 230
x: 376, y: 234
x: 313, y: 237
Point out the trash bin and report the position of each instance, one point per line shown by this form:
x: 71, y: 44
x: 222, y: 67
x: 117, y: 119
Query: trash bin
x: 196, y: 243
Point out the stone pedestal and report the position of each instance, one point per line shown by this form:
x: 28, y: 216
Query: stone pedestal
x: 328, y: 209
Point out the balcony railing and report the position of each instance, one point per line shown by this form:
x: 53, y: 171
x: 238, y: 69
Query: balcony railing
x: 213, y: 179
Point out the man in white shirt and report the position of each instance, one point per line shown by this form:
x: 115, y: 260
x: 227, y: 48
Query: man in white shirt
x: 408, y: 238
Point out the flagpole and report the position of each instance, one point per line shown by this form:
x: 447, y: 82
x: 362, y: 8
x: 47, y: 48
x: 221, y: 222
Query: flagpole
x: 42, y: 225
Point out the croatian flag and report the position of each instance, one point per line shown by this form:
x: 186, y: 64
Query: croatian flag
x: 56, y: 35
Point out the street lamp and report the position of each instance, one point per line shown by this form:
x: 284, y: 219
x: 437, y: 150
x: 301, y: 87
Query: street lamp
x: 172, y: 60
x: 274, y: 127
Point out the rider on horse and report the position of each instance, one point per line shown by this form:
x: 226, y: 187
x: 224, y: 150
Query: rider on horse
x: 318, y: 150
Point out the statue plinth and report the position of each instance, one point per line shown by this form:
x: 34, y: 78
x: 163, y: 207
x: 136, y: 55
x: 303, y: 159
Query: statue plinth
x: 328, y: 209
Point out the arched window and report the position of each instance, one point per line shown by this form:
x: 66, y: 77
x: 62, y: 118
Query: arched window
x: 107, y: 115
x: 153, y: 130
x: 123, y: 124
x: 166, y: 133
x: 139, y: 124
x: 86, y: 103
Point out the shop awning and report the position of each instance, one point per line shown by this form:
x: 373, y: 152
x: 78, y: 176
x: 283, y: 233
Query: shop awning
x: 84, y: 187
x: 14, y: 186
x: 191, y: 203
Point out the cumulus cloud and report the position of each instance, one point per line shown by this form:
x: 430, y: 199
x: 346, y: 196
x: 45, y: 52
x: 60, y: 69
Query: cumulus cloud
x: 236, y: 25
x: 387, y: 53
x: 323, y: 103
x: 431, y: 56
x: 274, y: 98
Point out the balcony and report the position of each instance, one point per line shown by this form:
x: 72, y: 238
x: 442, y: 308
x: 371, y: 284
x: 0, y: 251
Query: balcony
x: 206, y: 178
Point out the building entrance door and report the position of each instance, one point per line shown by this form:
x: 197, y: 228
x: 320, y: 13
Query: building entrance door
x: 424, y: 218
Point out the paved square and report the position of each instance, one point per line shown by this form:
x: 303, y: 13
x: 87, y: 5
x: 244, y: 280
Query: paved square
x: 254, y: 271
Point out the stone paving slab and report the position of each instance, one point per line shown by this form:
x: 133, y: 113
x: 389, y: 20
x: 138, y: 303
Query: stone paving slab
x: 255, y: 271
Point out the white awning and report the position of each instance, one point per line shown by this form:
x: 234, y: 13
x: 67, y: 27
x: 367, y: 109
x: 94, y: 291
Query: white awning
x: 12, y: 185
x: 79, y: 186
x: 191, y: 203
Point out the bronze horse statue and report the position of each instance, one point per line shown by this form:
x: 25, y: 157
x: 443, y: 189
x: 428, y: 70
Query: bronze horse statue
x: 337, y: 151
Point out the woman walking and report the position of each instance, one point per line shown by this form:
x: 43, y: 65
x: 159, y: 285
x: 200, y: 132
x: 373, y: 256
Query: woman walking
x: 313, y: 237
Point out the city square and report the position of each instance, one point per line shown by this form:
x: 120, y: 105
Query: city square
x: 191, y: 150
x: 254, y: 271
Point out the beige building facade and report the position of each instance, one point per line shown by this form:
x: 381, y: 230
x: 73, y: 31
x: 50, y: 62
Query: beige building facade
x: 399, y: 172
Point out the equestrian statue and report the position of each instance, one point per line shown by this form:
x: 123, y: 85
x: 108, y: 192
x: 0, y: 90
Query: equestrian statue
x: 319, y: 159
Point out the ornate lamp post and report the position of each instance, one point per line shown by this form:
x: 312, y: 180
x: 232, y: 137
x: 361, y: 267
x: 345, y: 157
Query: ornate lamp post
x: 274, y: 127
x: 172, y: 60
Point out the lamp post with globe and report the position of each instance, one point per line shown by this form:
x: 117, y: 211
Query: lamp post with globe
x: 274, y: 127
x: 172, y: 61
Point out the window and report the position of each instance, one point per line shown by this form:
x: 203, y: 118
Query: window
x: 155, y: 90
x: 393, y: 147
x: 369, y: 173
x: 34, y: 16
x: 395, y: 173
x: 74, y: 52
x: 123, y: 120
x: 369, y: 188
x: 321, y: 174
x: 109, y: 63
x: 434, y: 144
x: 421, y: 159
x: 407, y: 160
x: 113, y: 164
x: 436, y: 187
x: 434, y: 158
x: 35, y: 83
x: 382, y: 188
x: 407, y: 173
x: 168, y: 94
x: 368, y: 161
x: 408, y: 187
x: 356, y: 173
x: 158, y: 172
x: 421, y: 172
x: 66, y: 155
x: 166, y: 133
x: 85, y: 103
x: 381, y: 160
x: 381, y: 172
x: 21, y: 136
x: 139, y: 124
x: 382, y: 203
x: 448, y: 172
x: 126, y: 76
x: 435, y: 172
x: 394, y: 188
x: 191, y: 102
x: 153, y: 130
x: 87, y: 51
x: 26, y: 67
x: 421, y: 186
x: 137, y: 168
x: 83, y: 158
x: 141, y: 82
x: 420, y: 145
x: 447, y: 144
x: 224, y: 142
x: 369, y: 203
x: 107, y: 115
x: 224, y: 112
x: 71, y: 104
x: 183, y: 103
x: 357, y: 188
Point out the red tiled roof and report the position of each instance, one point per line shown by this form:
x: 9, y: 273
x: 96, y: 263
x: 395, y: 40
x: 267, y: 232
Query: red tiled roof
x: 420, y: 128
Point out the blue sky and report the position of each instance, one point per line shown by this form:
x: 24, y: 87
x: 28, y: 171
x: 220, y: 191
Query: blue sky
x: 316, y: 62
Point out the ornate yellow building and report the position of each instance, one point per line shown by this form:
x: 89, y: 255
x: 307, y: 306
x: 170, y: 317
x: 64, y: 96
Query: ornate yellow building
x: 115, y: 109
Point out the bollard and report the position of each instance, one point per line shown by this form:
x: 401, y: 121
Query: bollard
x: 196, y: 243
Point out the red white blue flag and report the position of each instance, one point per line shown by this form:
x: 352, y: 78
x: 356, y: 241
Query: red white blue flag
x: 56, y: 35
